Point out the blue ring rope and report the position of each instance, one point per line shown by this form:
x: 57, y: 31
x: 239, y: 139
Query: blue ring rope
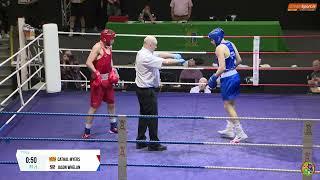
x: 8, y: 139
x: 94, y: 140
x: 184, y: 167
x: 157, y: 116
x: 134, y: 165
x: 102, y: 115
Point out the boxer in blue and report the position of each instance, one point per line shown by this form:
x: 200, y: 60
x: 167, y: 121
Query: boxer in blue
x: 228, y: 59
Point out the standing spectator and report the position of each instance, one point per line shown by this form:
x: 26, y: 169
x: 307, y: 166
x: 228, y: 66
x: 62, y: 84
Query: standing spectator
x: 99, y: 14
x: 124, y: 7
x: 147, y: 79
x: 77, y: 11
x: 4, y: 24
x: 314, y: 77
x: 113, y: 8
x: 202, y: 87
x: 181, y: 10
x: 146, y: 14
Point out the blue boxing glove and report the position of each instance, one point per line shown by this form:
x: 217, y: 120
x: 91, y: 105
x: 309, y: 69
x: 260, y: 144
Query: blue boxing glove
x: 181, y: 61
x: 212, y: 81
x: 176, y: 56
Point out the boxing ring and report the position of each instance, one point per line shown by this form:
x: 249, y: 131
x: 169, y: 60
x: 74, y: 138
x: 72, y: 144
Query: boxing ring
x: 280, y: 128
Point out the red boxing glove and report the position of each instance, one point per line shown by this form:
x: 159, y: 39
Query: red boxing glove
x: 96, y: 79
x: 113, y: 77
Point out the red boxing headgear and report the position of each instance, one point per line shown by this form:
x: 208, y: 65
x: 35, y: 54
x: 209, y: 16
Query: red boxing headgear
x: 106, y: 36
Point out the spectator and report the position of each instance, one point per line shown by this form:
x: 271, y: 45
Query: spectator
x: 201, y: 88
x: 70, y: 73
x: 75, y: 72
x: 77, y: 11
x: 314, y: 77
x: 181, y: 10
x: 113, y: 8
x: 68, y: 52
x: 4, y: 24
x: 146, y: 14
x: 98, y: 15
x: 65, y: 75
x: 194, y: 74
x: 124, y: 5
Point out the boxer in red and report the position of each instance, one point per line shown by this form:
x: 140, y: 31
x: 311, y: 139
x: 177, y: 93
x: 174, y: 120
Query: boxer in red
x: 102, y: 78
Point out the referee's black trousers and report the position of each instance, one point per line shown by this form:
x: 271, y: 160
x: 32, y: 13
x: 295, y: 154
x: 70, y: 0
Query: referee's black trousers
x: 148, y: 106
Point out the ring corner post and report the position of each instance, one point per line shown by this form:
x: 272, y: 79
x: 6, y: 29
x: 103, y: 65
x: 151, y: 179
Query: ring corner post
x: 51, y: 58
x: 122, y: 158
x: 307, y: 145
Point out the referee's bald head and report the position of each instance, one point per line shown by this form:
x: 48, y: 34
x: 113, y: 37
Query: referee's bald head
x: 150, y: 40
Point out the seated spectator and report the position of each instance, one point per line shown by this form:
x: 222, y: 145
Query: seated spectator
x: 181, y: 10
x: 68, y: 53
x: 314, y: 77
x: 113, y: 8
x: 70, y: 73
x: 194, y: 74
x: 64, y: 69
x: 201, y: 88
x: 146, y: 14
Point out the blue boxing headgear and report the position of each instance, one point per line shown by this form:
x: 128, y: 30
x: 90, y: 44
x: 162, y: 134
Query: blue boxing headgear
x: 217, y: 35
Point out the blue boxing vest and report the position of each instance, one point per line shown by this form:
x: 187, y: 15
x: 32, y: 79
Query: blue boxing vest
x: 231, y: 60
x: 230, y: 79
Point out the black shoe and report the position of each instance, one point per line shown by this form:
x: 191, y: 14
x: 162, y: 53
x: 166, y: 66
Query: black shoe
x: 158, y: 147
x: 141, y: 145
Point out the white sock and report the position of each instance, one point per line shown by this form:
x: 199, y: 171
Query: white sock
x: 88, y: 126
x: 230, y: 125
x: 238, y: 128
x: 113, y: 120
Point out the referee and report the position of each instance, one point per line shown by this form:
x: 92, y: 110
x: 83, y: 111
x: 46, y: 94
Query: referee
x: 147, y: 68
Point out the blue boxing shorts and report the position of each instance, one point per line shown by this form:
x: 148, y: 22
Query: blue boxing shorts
x: 230, y: 86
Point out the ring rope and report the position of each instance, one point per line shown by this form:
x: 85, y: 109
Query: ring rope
x: 192, y: 84
x: 210, y: 68
x: 70, y: 80
x: 7, y: 139
x: 205, y: 68
x: 204, y: 52
x: 280, y: 85
x: 161, y: 117
x: 183, y: 36
x: 190, y: 167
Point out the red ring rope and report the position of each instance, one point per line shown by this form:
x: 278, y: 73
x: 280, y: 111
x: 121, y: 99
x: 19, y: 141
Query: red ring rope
x: 296, y: 36
x: 279, y: 52
x: 279, y: 85
x: 269, y: 68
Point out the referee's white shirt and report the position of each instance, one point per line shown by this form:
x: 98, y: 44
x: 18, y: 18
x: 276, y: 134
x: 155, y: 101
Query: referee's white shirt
x: 196, y: 89
x: 147, y: 68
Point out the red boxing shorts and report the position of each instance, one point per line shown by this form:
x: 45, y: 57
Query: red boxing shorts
x: 99, y: 94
